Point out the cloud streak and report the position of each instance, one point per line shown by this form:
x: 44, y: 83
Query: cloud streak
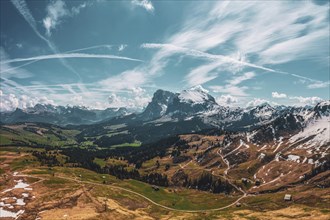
x: 69, y: 55
x: 146, y: 4
x: 23, y: 9
x: 173, y: 49
x: 5, y: 70
x: 57, y: 11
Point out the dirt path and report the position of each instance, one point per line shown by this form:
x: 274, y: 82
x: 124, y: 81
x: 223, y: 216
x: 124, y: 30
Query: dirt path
x: 146, y: 198
x: 182, y: 167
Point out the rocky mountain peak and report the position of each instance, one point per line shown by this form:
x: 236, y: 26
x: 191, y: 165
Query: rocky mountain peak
x: 196, y: 94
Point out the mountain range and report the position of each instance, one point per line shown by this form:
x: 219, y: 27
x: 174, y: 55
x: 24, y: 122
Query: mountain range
x: 269, y: 148
x: 165, y: 106
x: 190, y: 111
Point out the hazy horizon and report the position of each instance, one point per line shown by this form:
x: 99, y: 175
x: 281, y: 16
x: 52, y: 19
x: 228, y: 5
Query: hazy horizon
x: 103, y: 54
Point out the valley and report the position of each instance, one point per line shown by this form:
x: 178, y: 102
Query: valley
x: 129, y: 168
x: 164, y: 110
x: 81, y: 194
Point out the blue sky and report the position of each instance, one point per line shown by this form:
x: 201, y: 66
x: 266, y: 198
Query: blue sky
x: 118, y: 53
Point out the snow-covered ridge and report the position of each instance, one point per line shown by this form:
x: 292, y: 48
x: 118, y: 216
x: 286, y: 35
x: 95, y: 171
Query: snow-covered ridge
x: 319, y: 129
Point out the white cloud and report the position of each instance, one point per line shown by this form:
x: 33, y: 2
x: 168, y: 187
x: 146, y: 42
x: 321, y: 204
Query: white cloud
x: 227, y: 100
x: 56, y: 10
x: 203, y: 74
x: 277, y: 95
x: 318, y: 85
x: 296, y: 48
x: 256, y: 102
x: 76, y: 10
x: 242, y: 78
x: 23, y: 9
x: 253, y: 30
x: 232, y: 87
x: 127, y: 80
x: 122, y: 47
x: 232, y: 63
x: 137, y: 98
x: 307, y: 100
x: 10, y: 102
x: 146, y: 4
x: 7, y: 71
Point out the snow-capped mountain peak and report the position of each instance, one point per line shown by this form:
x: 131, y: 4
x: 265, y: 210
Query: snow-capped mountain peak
x: 196, y: 94
x: 322, y: 109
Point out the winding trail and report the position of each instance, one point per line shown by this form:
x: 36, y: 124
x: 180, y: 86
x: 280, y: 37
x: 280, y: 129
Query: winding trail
x: 139, y: 194
x: 151, y: 201
x: 225, y: 176
x: 182, y: 167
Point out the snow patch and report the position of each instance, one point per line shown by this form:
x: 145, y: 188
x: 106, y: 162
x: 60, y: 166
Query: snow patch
x: 318, y: 129
x: 294, y: 158
x: 8, y: 214
x: 196, y: 94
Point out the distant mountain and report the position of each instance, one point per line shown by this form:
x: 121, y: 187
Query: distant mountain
x: 306, y: 124
x: 194, y: 110
x: 197, y: 103
x: 191, y: 102
x: 61, y: 115
x: 191, y: 110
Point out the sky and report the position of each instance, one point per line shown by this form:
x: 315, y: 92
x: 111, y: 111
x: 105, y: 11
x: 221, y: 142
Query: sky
x: 102, y: 54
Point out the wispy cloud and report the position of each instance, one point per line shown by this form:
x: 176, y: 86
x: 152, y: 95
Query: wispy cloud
x: 306, y: 100
x: 318, y: 85
x: 122, y: 47
x: 146, y: 4
x: 242, y: 78
x: 57, y: 11
x: 23, y: 9
x: 232, y: 87
x: 69, y: 55
x: 253, y: 28
x: 11, y: 69
x: 169, y: 50
x: 7, y: 71
x: 217, y: 31
x: 126, y: 80
x: 76, y: 10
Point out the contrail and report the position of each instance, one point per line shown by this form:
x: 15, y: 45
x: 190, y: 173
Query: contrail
x: 88, y: 48
x: 23, y: 9
x: 17, y: 67
x: 70, y: 51
x: 197, y: 53
x: 69, y: 55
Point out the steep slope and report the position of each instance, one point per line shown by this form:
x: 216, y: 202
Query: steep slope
x: 158, y: 105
